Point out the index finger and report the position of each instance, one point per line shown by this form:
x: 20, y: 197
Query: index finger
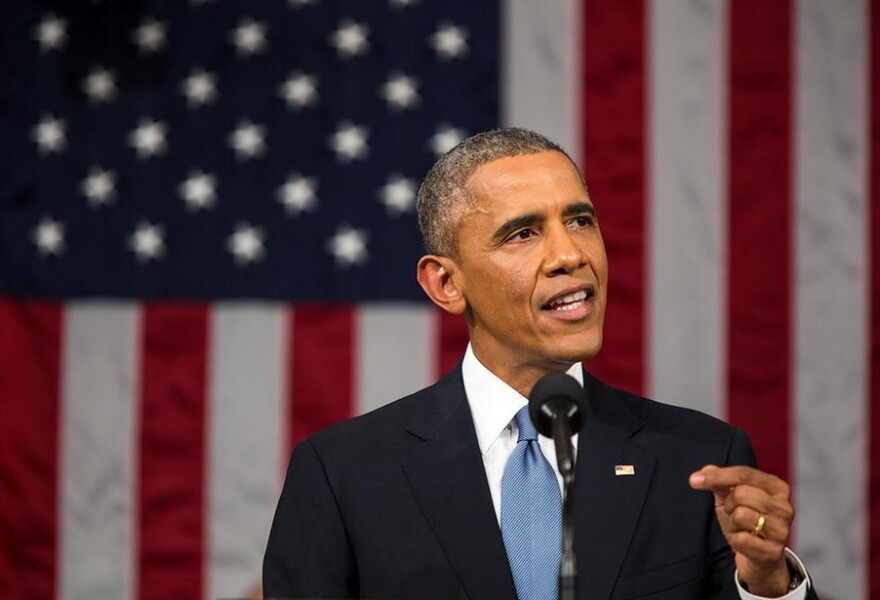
x: 718, y: 479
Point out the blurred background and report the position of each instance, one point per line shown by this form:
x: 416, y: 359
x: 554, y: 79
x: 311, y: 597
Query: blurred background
x: 208, y: 245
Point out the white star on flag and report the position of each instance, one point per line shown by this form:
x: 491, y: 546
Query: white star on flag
x: 449, y: 41
x: 200, y: 88
x: 148, y: 139
x: 398, y: 194
x: 445, y: 139
x: 249, y: 37
x: 348, y: 246
x: 299, y: 90
x: 49, y: 237
x: 51, y: 33
x: 350, y: 142
x: 298, y: 194
x: 199, y: 190
x: 400, y: 91
x: 49, y: 135
x: 248, y: 140
x: 99, y: 187
x: 401, y: 3
x: 150, y: 36
x: 99, y: 85
x: 147, y: 242
x: 246, y: 244
x: 350, y: 39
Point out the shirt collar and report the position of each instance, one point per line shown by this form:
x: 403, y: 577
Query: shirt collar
x: 493, y: 403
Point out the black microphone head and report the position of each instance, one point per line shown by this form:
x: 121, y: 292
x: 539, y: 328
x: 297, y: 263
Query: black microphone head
x: 553, y: 393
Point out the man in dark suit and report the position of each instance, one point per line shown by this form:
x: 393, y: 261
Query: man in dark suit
x: 408, y: 501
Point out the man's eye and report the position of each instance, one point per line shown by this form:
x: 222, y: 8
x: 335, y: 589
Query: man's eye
x: 583, y: 221
x: 522, y: 234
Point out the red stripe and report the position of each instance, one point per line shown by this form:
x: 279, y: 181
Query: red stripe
x: 321, y: 373
x: 172, y: 451
x: 760, y: 222
x: 613, y: 150
x: 874, y: 355
x: 30, y: 342
x: 453, y: 339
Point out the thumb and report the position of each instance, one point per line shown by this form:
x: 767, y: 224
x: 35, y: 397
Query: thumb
x: 700, y: 480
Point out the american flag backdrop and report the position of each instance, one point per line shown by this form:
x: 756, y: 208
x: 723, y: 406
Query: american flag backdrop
x: 208, y: 247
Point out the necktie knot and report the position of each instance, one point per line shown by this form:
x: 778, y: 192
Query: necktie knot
x: 527, y: 431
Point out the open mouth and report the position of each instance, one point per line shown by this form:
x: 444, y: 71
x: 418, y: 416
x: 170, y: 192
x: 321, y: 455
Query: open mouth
x: 571, y: 301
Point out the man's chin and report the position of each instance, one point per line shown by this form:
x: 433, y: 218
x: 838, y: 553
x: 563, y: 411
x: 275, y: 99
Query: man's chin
x: 593, y: 350
x: 578, y: 352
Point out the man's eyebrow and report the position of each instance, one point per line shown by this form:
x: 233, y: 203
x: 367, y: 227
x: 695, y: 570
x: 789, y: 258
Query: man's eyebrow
x: 579, y: 208
x: 529, y: 219
x: 515, y: 223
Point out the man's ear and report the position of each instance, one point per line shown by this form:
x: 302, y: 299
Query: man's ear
x: 438, y: 277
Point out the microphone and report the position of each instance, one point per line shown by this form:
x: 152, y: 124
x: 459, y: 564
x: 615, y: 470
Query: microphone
x: 558, y: 409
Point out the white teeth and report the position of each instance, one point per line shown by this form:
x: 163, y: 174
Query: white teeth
x: 568, y: 302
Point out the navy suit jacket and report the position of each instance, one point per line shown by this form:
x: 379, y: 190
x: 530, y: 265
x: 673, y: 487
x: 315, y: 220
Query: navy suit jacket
x: 395, y: 504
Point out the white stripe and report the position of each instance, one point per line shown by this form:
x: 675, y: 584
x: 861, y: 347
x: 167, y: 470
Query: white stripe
x: 97, y: 452
x: 687, y: 261
x: 245, y: 452
x: 396, y: 350
x: 540, y: 75
x: 831, y: 420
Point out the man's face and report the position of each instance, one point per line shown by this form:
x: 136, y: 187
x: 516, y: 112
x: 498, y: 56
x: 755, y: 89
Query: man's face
x: 531, y: 265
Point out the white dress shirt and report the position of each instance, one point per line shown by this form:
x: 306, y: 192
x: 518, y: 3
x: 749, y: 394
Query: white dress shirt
x: 494, y: 405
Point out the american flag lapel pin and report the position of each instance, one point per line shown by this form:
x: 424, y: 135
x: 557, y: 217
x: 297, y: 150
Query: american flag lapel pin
x: 624, y: 470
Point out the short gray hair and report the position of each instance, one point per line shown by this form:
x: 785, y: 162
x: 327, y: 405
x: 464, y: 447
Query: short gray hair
x: 443, y: 194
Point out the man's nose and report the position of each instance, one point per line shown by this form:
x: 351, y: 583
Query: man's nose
x: 564, y: 254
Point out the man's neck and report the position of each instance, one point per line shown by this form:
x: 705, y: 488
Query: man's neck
x: 521, y: 376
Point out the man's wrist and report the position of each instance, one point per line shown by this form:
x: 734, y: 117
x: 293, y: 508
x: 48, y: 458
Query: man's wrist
x: 775, y: 584
x: 795, y: 589
x: 795, y: 578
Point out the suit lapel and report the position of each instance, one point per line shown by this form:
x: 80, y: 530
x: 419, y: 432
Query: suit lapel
x: 607, y: 505
x: 448, y: 479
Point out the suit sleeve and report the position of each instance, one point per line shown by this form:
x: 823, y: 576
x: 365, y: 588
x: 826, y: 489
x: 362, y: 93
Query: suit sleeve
x: 308, y: 553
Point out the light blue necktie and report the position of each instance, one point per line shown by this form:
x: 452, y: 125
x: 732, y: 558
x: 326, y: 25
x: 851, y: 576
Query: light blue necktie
x: 531, y: 516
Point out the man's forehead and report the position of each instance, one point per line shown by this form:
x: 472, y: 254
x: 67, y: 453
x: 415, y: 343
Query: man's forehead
x: 513, y: 181
x: 509, y: 169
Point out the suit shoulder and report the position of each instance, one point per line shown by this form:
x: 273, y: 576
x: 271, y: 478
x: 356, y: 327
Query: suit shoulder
x: 677, y: 420
x: 678, y: 429
x: 387, y: 425
x: 376, y: 423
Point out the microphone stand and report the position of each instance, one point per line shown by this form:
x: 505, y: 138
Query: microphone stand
x: 565, y: 459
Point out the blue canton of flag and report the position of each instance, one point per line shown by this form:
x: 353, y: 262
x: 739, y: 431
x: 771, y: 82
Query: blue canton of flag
x: 209, y: 149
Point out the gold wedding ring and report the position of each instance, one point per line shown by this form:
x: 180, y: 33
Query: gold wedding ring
x: 759, y: 528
